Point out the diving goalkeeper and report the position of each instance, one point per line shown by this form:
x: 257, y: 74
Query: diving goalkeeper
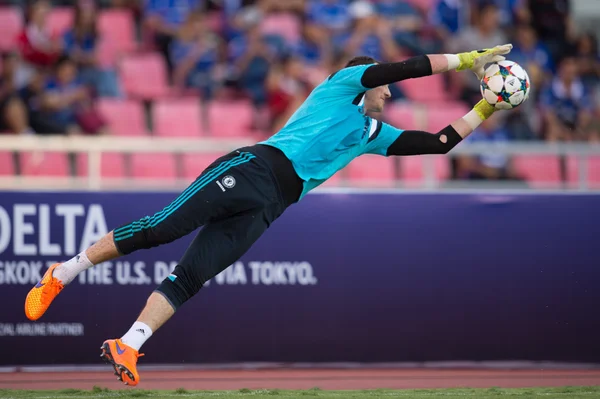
x: 241, y: 194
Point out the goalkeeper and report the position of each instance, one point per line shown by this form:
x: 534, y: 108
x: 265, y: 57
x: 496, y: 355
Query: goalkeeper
x: 237, y: 197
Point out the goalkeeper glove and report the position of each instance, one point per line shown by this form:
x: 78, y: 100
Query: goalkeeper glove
x: 478, y: 59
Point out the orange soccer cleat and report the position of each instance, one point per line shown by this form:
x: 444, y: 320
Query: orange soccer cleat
x: 41, y: 296
x: 123, y: 359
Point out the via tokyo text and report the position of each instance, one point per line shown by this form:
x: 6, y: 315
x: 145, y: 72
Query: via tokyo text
x: 136, y: 273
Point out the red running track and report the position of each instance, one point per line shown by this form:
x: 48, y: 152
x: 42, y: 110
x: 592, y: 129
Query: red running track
x: 306, y: 379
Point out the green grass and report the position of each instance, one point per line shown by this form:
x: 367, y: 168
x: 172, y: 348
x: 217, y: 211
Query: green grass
x: 495, y: 393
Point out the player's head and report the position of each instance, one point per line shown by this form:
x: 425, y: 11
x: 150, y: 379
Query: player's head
x: 374, y: 98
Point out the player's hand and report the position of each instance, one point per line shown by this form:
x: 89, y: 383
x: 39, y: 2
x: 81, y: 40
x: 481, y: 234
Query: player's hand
x: 478, y: 59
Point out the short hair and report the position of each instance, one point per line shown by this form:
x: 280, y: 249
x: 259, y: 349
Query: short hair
x: 360, y: 60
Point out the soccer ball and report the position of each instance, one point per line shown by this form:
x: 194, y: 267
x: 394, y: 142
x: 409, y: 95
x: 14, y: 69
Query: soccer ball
x: 505, y: 85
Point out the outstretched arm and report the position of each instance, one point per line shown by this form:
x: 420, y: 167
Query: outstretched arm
x: 425, y: 65
x: 414, y: 142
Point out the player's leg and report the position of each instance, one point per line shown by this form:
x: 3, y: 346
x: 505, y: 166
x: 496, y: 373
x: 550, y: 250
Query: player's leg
x: 216, y: 247
x: 203, y: 200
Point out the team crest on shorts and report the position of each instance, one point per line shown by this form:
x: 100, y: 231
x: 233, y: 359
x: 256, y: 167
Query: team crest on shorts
x: 228, y: 181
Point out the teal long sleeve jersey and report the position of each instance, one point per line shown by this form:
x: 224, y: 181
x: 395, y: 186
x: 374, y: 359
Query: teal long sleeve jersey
x: 331, y: 128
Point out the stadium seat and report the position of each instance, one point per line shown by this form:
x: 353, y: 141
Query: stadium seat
x: 194, y: 164
x: 285, y: 25
x: 55, y: 164
x: 538, y: 170
x: 7, y: 167
x: 11, y: 23
x: 124, y: 117
x: 177, y: 118
x: 61, y: 20
x: 230, y: 118
x: 412, y: 169
x: 592, y: 170
x: 372, y: 170
x: 403, y: 116
x: 425, y: 89
x: 117, y: 26
x: 153, y: 166
x: 441, y: 115
x: 112, y: 165
x: 144, y: 76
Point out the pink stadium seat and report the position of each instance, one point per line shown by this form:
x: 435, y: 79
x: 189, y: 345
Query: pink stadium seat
x: 230, y: 118
x: 117, y: 27
x: 593, y: 171
x: 54, y: 164
x: 144, y: 76
x: 372, y: 170
x: 125, y: 117
x: 178, y: 118
x: 111, y: 165
x: 441, y: 115
x: 538, y: 169
x: 402, y: 116
x: 7, y: 167
x: 286, y: 25
x: 61, y: 19
x: 426, y: 89
x: 412, y: 169
x: 194, y: 164
x: 11, y: 23
x: 153, y: 166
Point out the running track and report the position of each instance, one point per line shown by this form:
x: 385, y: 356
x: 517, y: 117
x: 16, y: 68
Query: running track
x: 305, y: 379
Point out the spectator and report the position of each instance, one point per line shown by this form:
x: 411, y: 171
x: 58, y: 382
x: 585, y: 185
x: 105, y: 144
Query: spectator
x: 486, y: 33
x: 588, y: 60
x: 287, y: 89
x: 13, y: 113
x: 551, y: 20
x: 449, y: 17
x: 567, y: 104
x: 532, y: 55
x: 328, y: 19
x: 511, y: 12
x: 250, y: 59
x: 368, y: 35
x: 81, y: 44
x: 488, y: 166
x: 40, y: 118
x: 195, y: 55
x: 69, y: 102
x: 163, y: 18
x: 39, y: 47
x: 406, y: 24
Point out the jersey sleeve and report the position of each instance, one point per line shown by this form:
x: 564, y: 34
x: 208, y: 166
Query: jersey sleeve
x: 381, y: 137
x: 349, y: 79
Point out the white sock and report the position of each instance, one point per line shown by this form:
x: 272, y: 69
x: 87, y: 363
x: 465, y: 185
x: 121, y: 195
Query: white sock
x: 137, y: 335
x: 67, y: 271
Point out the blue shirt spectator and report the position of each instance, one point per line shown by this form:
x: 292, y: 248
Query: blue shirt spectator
x: 172, y: 12
x: 567, y: 101
x: 332, y: 14
x: 507, y: 9
x: 450, y: 15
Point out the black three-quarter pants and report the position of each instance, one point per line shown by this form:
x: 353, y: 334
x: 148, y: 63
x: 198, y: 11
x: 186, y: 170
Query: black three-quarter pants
x: 235, y: 199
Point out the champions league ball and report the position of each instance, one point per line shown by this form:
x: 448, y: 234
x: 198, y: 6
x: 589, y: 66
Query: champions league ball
x: 505, y: 85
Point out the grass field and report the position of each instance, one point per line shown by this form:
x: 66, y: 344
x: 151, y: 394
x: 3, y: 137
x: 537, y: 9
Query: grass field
x: 550, y: 393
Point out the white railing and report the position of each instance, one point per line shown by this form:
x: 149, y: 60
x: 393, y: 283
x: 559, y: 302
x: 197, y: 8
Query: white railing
x: 95, y: 146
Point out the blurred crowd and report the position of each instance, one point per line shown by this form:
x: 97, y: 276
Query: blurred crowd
x: 220, y: 48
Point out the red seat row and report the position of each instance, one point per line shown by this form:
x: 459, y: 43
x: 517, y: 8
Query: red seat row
x: 184, y: 117
x: 368, y: 170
